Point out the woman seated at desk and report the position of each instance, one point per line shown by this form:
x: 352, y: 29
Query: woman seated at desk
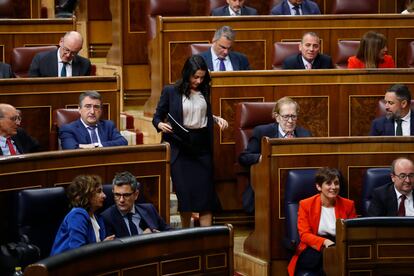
x: 372, y: 53
x: 317, y: 217
x: 81, y: 226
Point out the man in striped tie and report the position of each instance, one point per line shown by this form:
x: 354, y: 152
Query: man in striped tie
x: 13, y: 139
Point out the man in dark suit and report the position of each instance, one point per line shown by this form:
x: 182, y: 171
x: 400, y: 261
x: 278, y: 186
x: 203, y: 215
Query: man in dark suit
x: 398, y: 119
x: 89, y: 131
x: 13, y: 139
x: 285, y: 113
x: 309, y: 57
x: 5, y: 71
x: 63, y: 62
x: 234, y: 8
x: 219, y: 56
x: 126, y: 218
x: 396, y: 198
x: 296, y: 7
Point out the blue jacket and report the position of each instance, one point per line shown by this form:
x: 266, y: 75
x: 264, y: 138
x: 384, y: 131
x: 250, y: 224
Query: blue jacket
x: 224, y: 11
x: 115, y: 224
x: 383, y: 126
x: 296, y: 62
x: 76, y: 230
x: 75, y: 133
x: 308, y: 7
x: 252, y: 152
x: 238, y: 60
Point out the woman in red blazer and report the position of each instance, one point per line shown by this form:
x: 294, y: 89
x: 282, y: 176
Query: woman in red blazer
x: 316, y: 220
x: 372, y: 53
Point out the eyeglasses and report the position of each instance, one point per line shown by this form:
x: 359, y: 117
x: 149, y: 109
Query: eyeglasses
x: 90, y: 106
x: 403, y: 176
x: 16, y: 118
x: 124, y: 195
x: 287, y: 117
x: 67, y: 51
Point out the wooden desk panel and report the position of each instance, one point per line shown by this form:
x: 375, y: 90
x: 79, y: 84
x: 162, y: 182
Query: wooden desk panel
x: 31, y: 32
x: 351, y: 155
x: 38, y: 97
x: 256, y: 35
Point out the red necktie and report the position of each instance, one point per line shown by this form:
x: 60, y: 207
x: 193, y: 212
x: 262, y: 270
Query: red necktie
x: 401, y: 208
x: 10, y: 145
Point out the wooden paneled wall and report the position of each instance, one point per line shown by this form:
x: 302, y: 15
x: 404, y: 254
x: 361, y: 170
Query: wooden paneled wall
x: 351, y: 155
x: 333, y: 103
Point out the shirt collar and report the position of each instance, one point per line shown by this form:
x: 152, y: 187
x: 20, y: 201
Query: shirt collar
x: 407, y: 117
x: 233, y: 13
x: 292, y: 6
x: 409, y: 196
x: 86, y: 126
x: 60, y: 60
x: 282, y: 132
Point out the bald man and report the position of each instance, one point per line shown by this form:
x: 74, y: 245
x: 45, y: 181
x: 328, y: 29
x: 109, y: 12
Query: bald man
x: 63, y: 62
x: 13, y: 139
x: 395, y: 198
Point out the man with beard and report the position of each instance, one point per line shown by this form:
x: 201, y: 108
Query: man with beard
x: 234, y: 8
x: 309, y: 56
x: 398, y: 120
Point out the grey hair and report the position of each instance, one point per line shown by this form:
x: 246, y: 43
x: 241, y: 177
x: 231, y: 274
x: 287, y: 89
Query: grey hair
x: 91, y: 94
x: 126, y: 178
x: 225, y: 31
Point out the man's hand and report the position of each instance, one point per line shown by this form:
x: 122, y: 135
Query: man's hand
x: 86, y: 146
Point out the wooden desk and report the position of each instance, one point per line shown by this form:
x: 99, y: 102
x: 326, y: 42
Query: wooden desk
x: 31, y: 32
x: 351, y: 155
x: 371, y: 246
x: 256, y: 35
x: 38, y: 97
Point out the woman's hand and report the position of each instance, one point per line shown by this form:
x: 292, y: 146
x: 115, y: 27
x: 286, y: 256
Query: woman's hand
x: 110, y: 238
x: 223, y: 124
x: 164, y: 127
x: 327, y: 243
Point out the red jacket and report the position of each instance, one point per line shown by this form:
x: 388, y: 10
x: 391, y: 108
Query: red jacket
x: 309, y: 215
x: 356, y: 63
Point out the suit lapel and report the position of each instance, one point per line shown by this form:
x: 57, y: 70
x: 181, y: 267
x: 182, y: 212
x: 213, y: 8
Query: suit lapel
x: 412, y: 124
x: 145, y: 217
x: 83, y: 132
x: 389, y: 127
x: 234, y: 61
x: 75, y: 67
x: 54, y: 60
x: 101, y: 132
x: 210, y: 60
x: 226, y: 11
x: 392, y: 201
x: 300, y: 61
x: 316, y: 63
x: 18, y: 145
x: 119, y: 222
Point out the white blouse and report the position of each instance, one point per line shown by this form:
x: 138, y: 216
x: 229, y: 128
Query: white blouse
x: 327, y: 222
x: 194, y: 111
x: 96, y: 228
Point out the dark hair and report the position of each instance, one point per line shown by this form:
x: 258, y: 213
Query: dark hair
x: 370, y: 47
x: 402, y: 92
x: 81, y: 189
x: 91, y: 94
x: 191, y: 66
x: 126, y: 178
x: 326, y: 174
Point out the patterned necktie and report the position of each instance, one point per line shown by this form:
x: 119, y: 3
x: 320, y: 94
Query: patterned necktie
x: 401, y: 208
x: 289, y: 135
x: 132, y: 227
x: 296, y: 8
x: 63, y: 71
x: 11, y: 147
x: 94, y: 137
x: 308, y: 66
x: 398, y: 131
x: 222, y: 66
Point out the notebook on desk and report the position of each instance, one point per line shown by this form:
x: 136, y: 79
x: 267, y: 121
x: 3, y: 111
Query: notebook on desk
x: 178, y: 129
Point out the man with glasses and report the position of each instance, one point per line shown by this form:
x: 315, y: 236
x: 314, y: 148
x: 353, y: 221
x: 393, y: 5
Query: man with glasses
x: 13, y: 139
x: 285, y: 113
x: 398, y: 119
x: 127, y: 218
x: 220, y: 57
x: 89, y: 131
x: 63, y: 62
x: 234, y: 8
x: 395, y: 198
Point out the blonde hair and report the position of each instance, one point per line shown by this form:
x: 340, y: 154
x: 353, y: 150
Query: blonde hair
x: 370, y: 47
x: 283, y: 101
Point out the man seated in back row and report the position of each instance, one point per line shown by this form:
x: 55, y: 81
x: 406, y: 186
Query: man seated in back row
x: 127, y: 218
x: 396, y: 198
x: 234, y: 8
x: 89, y: 131
x: 220, y: 57
x: 309, y: 57
x: 398, y: 119
x: 63, y: 62
x: 295, y: 7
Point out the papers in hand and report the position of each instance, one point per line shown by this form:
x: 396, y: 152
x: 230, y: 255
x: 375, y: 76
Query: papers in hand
x: 178, y: 129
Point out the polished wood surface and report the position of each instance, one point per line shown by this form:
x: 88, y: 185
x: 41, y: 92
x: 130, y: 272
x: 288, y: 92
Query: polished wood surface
x: 332, y: 102
x: 199, y: 251
x: 351, y: 155
x: 31, y: 32
x: 385, y: 249
x: 256, y: 35
x: 38, y: 97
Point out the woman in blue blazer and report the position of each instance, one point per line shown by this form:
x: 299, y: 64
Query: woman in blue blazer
x: 81, y: 226
x: 184, y: 116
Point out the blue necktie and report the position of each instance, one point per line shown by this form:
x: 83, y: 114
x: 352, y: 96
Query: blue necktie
x: 94, y: 137
x: 296, y: 8
x: 63, y: 71
x: 222, y: 66
x: 132, y: 227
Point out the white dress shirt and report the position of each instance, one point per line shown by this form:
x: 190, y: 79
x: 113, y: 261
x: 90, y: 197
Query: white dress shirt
x: 60, y: 65
x: 409, y: 205
x: 406, y: 123
x: 216, y: 62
